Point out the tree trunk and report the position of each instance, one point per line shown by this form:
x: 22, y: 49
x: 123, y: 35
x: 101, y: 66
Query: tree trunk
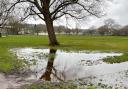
x: 51, y: 33
x: 0, y: 35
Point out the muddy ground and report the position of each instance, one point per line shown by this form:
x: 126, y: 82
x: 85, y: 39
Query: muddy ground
x: 13, y: 82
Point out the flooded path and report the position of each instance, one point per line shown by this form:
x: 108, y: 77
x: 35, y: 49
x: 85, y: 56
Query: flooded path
x: 86, y: 66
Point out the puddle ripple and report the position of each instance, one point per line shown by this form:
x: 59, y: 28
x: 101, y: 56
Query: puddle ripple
x: 56, y: 65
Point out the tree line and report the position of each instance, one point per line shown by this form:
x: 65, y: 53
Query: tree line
x: 110, y: 28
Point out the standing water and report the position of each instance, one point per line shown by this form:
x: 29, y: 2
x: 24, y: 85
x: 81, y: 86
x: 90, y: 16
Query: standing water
x: 87, y: 66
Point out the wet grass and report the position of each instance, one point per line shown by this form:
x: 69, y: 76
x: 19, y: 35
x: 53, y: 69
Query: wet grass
x: 111, y: 43
x: 55, y: 85
x: 117, y: 59
x: 50, y: 85
x: 6, y: 60
x: 104, y: 43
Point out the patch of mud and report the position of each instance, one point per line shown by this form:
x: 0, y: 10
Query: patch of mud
x: 13, y: 82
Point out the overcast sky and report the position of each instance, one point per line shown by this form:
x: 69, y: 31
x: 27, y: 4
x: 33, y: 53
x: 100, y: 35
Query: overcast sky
x: 117, y: 10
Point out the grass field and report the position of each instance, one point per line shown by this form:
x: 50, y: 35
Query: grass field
x: 104, y: 43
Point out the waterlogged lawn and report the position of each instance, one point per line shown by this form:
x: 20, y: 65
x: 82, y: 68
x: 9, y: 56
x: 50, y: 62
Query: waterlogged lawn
x: 61, y: 85
x: 104, y: 43
x: 116, y: 59
x: 7, y: 60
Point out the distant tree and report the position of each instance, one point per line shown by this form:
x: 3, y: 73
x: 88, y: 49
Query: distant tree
x: 67, y: 31
x: 116, y: 30
x: 109, y: 22
x: 60, y: 29
x: 123, y: 31
x: 37, y: 28
x: 103, y: 30
x: 16, y: 26
x: 4, y: 15
x: 92, y: 30
x: 111, y: 25
x: 51, y: 10
x: 44, y: 28
x: 77, y: 29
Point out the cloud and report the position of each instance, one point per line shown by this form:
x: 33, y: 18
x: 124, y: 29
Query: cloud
x: 118, y: 10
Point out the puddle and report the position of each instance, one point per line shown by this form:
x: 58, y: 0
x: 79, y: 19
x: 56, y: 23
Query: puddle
x: 59, y: 65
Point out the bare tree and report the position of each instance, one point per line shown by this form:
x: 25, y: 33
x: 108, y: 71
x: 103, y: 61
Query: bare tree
x: 3, y: 14
x: 38, y: 28
x: 59, y: 29
x: 3, y: 11
x: 51, y: 10
x: 103, y: 30
x: 109, y: 22
x: 16, y: 26
x: 123, y: 31
x: 111, y: 25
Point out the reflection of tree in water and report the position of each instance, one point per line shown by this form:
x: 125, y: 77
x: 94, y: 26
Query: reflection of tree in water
x: 51, y: 70
x: 57, y: 74
x: 48, y: 71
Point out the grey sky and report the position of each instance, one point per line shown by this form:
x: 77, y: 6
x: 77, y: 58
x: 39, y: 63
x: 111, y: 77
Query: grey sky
x: 117, y: 10
x: 120, y: 11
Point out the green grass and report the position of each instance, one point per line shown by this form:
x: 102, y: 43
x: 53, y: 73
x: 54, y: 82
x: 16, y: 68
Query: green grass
x: 7, y: 60
x: 116, y: 43
x: 50, y: 85
x: 104, y: 43
x: 56, y: 85
x: 116, y: 59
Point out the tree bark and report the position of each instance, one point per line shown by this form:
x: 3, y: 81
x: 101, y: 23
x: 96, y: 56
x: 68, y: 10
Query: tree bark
x: 51, y: 33
x: 0, y: 35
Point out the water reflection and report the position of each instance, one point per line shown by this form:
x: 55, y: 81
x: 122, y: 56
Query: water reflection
x: 63, y: 65
x: 49, y: 68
